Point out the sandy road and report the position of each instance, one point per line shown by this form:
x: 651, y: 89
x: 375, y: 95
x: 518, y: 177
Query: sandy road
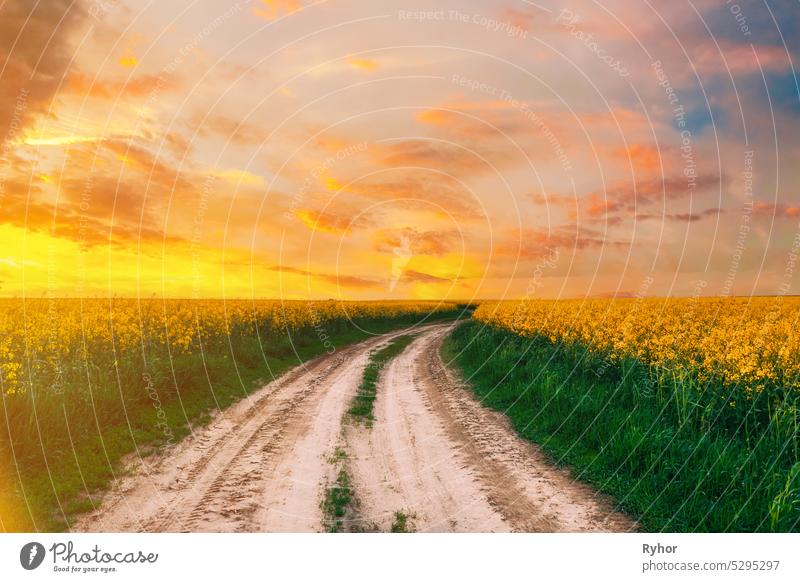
x: 439, y: 456
x: 433, y: 453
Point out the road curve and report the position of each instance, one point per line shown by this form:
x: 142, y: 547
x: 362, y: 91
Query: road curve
x: 437, y: 455
x: 433, y: 453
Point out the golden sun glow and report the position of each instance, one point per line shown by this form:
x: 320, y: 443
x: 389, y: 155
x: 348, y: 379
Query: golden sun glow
x: 228, y: 150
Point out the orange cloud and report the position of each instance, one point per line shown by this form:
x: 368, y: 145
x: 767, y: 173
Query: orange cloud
x: 643, y: 157
x: 90, y: 226
x: 128, y: 60
x: 426, y: 242
x: 334, y: 279
x: 430, y: 154
x: 153, y: 169
x: 272, y: 9
x: 632, y: 194
x: 35, y: 55
x: 707, y: 57
x: 490, y: 122
x: 363, y: 64
x: 418, y: 277
x: 138, y: 86
x: 421, y: 191
x: 330, y: 222
x: 682, y: 217
x: 779, y: 210
x: 228, y: 128
x: 532, y: 243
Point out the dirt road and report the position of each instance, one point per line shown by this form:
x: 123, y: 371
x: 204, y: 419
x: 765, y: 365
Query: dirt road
x: 433, y: 456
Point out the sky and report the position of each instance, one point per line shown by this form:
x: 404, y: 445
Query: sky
x: 399, y: 150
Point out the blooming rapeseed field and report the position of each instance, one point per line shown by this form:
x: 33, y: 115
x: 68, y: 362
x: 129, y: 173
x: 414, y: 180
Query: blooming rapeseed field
x: 750, y: 342
x: 84, y: 382
x: 686, y: 410
x: 44, y: 337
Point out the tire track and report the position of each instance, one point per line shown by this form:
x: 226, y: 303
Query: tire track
x: 434, y: 454
x: 229, y: 474
x: 437, y: 453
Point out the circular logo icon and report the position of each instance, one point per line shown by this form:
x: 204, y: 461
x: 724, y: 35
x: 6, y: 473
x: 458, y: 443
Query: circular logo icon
x: 31, y: 555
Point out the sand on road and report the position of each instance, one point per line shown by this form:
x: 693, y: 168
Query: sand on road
x: 433, y: 453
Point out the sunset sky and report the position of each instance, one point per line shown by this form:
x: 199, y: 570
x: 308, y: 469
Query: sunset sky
x: 400, y: 150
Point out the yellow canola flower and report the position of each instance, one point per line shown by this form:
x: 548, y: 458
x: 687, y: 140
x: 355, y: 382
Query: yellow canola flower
x: 48, y: 336
x: 748, y: 341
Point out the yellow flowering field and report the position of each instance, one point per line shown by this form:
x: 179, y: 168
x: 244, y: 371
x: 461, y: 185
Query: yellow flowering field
x: 746, y: 341
x: 84, y: 382
x: 49, y: 335
x: 685, y: 409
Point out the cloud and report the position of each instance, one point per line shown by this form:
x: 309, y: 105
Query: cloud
x: 643, y: 157
x: 420, y: 242
x: 89, y: 226
x: 363, y: 64
x: 476, y: 120
x: 340, y: 222
x: 682, y: 217
x: 239, y: 131
x: 134, y: 86
x: 430, y: 154
x: 418, y: 277
x: 153, y: 169
x: 339, y: 280
x: 741, y: 59
x: 34, y: 57
x: 777, y: 210
x: 272, y: 9
x: 530, y: 243
x: 421, y: 191
x: 632, y: 194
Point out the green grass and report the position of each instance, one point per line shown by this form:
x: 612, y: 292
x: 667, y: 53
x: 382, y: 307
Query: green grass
x: 361, y: 409
x: 677, y: 454
x: 403, y: 523
x: 58, y: 451
x: 338, y: 500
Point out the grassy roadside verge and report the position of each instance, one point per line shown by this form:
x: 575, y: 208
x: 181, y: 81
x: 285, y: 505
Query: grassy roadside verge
x: 70, y: 447
x: 629, y: 437
x: 361, y: 409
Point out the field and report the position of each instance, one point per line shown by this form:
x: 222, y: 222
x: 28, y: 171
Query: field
x: 86, y: 382
x: 685, y: 410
